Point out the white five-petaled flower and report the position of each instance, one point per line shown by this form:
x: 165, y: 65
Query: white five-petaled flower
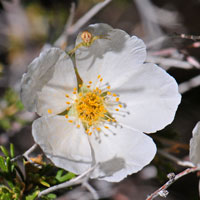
x: 99, y: 112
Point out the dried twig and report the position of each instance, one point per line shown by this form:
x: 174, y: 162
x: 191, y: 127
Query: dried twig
x: 166, y: 63
x: 62, y: 40
x: 175, y: 159
x: 81, y: 179
x: 188, y: 85
x: 26, y: 154
x: 162, y: 191
x: 91, y: 13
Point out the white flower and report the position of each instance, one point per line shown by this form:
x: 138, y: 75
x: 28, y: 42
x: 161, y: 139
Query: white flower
x: 194, y: 153
x: 103, y: 118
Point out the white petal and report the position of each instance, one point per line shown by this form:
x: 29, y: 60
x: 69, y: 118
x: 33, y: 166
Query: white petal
x: 115, y: 58
x: 49, y: 77
x: 64, y: 144
x: 195, y: 145
x: 152, y: 98
x: 122, y: 154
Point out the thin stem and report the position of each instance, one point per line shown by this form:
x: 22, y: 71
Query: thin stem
x: 162, y: 190
x: 75, y: 181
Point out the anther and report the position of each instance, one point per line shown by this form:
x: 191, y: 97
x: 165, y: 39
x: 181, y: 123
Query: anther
x: 99, y: 76
x: 108, y: 93
x: 80, y: 85
x: 106, y: 127
x: 67, y: 95
x: 70, y: 121
x: 68, y: 102
x: 90, y: 82
x: 78, y: 126
x: 101, y: 79
x: 117, y: 99
x: 49, y: 111
x: 66, y: 116
x: 108, y: 87
x: 117, y: 109
x: 114, y: 95
x: 120, y: 105
x: 88, y: 86
x: 86, y: 36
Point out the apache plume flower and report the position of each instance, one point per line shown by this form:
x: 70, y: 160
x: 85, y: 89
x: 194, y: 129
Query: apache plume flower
x: 96, y: 108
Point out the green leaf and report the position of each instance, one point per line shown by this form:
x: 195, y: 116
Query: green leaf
x: 12, y: 150
x: 33, y: 195
x: 44, y: 183
x: 65, y: 177
x: 4, y: 150
x: 3, y: 164
x: 51, y: 196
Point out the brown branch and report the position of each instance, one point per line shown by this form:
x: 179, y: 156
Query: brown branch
x: 162, y: 191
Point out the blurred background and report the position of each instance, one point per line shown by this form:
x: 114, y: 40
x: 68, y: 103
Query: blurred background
x: 171, y: 31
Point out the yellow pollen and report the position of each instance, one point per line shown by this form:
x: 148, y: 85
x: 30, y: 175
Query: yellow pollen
x: 108, y: 87
x: 76, y: 100
x: 101, y: 80
x: 90, y: 82
x: 117, y: 99
x: 106, y: 127
x: 120, y: 105
x: 98, y: 129
x: 68, y: 102
x: 87, y: 131
x: 66, y: 116
x: 114, y: 95
x: 78, y: 126
x: 108, y: 120
x: 80, y: 94
x: 99, y: 76
x: 70, y: 121
x: 90, y: 108
x: 99, y: 91
x: 90, y: 133
x: 74, y: 92
x: 117, y: 109
x: 88, y: 86
x: 49, y: 111
x: 75, y: 89
x: 67, y: 95
x: 108, y: 93
x: 114, y: 120
x: 80, y: 85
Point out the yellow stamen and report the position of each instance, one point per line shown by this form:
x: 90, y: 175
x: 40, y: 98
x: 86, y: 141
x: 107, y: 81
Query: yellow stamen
x: 114, y: 95
x: 98, y: 129
x: 99, y: 76
x: 80, y: 85
x: 88, y: 86
x: 49, y: 111
x: 117, y: 109
x: 108, y: 93
x: 67, y: 95
x: 90, y: 82
x: 117, y: 99
x: 78, y: 126
x: 70, y: 121
x: 75, y: 89
x: 68, y: 102
x: 120, y: 105
x: 66, y: 116
x: 106, y: 127
x: 101, y: 79
x: 108, y: 87
x: 74, y: 92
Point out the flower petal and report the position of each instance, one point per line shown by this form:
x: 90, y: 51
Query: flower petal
x: 114, y: 57
x: 49, y: 77
x: 195, y: 145
x: 64, y: 144
x: 152, y: 98
x: 122, y: 154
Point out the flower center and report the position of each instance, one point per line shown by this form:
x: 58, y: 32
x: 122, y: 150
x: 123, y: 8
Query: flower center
x: 90, y: 107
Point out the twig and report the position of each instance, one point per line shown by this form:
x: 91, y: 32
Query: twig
x: 26, y: 154
x: 91, y: 190
x: 75, y: 181
x: 188, y: 85
x: 64, y: 36
x: 166, y: 63
x: 83, y: 20
x: 172, y: 178
x: 175, y: 159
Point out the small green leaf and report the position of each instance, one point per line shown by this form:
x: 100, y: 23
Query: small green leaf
x: 44, y: 183
x: 4, y: 150
x: 3, y: 164
x: 33, y: 195
x: 12, y: 150
x: 51, y: 196
x: 65, y: 177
